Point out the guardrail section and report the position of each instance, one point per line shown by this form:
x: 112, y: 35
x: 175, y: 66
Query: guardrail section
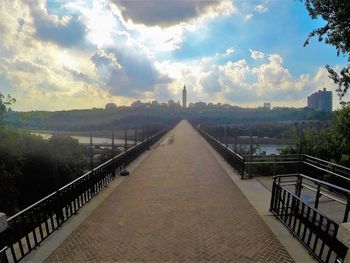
x: 316, y: 231
x: 28, y: 228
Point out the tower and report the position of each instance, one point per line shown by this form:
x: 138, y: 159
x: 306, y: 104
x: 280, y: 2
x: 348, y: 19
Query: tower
x: 184, y: 97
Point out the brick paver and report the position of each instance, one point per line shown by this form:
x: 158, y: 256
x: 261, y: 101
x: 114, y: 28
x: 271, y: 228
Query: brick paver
x: 178, y: 205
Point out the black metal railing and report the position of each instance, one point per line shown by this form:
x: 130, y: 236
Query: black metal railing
x: 263, y: 165
x: 31, y: 226
x: 249, y: 166
x: 316, y: 231
x: 233, y: 159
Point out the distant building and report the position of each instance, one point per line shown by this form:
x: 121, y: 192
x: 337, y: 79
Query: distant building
x: 320, y: 100
x: 267, y: 105
x: 136, y: 104
x: 184, y: 97
x: 111, y: 106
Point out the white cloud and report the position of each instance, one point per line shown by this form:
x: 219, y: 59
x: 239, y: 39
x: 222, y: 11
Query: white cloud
x: 229, y: 51
x: 260, y: 8
x: 256, y: 54
x: 248, y: 17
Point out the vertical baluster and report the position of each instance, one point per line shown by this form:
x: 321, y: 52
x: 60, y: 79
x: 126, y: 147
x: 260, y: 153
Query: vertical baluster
x: 317, y: 238
x: 307, y: 218
x: 347, y: 209
x: 13, y: 253
x: 33, y: 227
x: 287, y: 208
x: 19, y: 233
x: 26, y: 231
x: 296, y: 212
x: 301, y: 215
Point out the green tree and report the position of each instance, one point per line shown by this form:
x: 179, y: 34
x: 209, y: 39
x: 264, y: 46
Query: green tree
x: 331, y: 144
x: 5, y: 103
x: 336, y: 32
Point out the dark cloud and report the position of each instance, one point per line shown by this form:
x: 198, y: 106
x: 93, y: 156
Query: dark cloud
x: 127, y: 73
x: 163, y: 12
x: 66, y: 33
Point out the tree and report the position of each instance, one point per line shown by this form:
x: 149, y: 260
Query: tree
x: 336, y: 32
x: 5, y: 103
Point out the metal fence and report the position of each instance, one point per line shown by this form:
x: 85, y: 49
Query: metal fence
x: 31, y: 226
x: 249, y: 166
x: 235, y: 160
x: 316, y: 231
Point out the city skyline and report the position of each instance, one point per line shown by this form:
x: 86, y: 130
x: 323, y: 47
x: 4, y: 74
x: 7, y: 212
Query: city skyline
x: 83, y: 54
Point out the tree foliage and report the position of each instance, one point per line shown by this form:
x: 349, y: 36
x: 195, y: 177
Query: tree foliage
x: 336, y: 32
x: 332, y: 143
x: 5, y: 103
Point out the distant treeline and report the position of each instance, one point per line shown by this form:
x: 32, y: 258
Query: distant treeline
x: 155, y: 114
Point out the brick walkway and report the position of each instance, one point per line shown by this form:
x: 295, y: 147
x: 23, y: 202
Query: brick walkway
x: 178, y: 205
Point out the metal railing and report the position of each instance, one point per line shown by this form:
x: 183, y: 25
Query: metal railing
x: 233, y: 159
x: 249, y: 166
x: 31, y: 226
x: 316, y: 231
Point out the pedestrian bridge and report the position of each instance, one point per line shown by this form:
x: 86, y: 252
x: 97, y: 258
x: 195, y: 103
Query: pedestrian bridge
x: 181, y: 202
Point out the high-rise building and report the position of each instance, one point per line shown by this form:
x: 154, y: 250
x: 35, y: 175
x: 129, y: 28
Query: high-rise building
x: 184, y: 97
x: 320, y: 100
x: 267, y: 105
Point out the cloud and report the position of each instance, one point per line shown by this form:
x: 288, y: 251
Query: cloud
x: 229, y: 51
x: 126, y: 72
x: 261, y: 8
x: 248, y: 17
x: 66, y: 31
x: 241, y: 83
x: 167, y: 13
x: 256, y: 54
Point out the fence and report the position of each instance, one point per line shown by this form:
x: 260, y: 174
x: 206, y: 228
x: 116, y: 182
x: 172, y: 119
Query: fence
x: 28, y: 228
x: 249, y: 166
x: 316, y: 231
x: 235, y: 160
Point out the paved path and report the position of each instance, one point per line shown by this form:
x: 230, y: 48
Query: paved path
x: 178, y: 205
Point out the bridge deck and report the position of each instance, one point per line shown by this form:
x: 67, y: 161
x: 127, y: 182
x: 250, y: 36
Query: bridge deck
x: 178, y: 205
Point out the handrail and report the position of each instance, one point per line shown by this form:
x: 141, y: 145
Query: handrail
x: 333, y: 164
x: 347, y: 191
x: 217, y: 141
x: 308, y: 224
x: 328, y: 171
x: 31, y: 226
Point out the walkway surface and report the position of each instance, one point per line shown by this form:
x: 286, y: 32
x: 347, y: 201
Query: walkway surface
x: 178, y: 205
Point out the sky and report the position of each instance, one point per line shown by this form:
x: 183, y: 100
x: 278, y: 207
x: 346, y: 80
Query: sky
x: 61, y: 55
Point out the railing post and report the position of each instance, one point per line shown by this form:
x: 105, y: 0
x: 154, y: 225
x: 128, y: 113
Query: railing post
x: 125, y: 140
x: 298, y: 186
x: 317, y: 195
x: 243, y: 164
x: 113, y: 149
x: 347, y: 208
x: 3, y: 257
x: 343, y: 235
x: 236, y: 143
x: 91, y: 153
x: 250, y: 153
x: 273, y: 194
x: 135, y: 133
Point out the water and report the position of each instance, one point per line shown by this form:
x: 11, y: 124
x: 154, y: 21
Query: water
x: 86, y: 139
x: 268, y: 148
